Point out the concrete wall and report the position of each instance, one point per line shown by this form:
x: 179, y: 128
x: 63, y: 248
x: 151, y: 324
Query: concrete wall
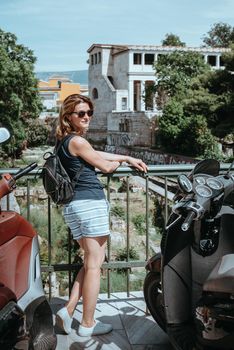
x: 120, y: 70
x: 105, y: 101
x: 130, y: 129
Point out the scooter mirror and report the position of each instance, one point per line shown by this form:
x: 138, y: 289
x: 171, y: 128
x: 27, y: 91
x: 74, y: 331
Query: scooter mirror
x: 4, y: 135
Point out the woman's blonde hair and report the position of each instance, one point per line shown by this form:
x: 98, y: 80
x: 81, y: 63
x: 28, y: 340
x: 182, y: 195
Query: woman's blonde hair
x: 68, y: 106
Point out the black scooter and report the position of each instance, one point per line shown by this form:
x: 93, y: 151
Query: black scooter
x: 189, y: 288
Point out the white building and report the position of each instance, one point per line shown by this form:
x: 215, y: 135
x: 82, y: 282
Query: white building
x: 118, y: 75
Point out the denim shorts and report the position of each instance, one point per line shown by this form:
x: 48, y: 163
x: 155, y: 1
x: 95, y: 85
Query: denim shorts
x: 87, y: 218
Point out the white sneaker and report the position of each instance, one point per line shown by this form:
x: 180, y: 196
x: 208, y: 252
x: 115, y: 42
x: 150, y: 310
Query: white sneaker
x: 63, y: 320
x: 98, y: 328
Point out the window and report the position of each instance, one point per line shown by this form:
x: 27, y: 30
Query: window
x: 111, y: 79
x: 211, y: 59
x: 121, y: 125
x: 137, y: 58
x: 126, y: 125
x: 149, y: 58
x: 48, y: 96
x: 137, y: 95
x: 221, y: 61
x: 149, y: 95
x: 95, y: 94
x: 92, y: 61
x: 124, y: 103
x: 99, y: 57
x: 95, y: 58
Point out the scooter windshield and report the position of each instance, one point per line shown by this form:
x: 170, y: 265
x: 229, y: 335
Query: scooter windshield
x: 207, y: 166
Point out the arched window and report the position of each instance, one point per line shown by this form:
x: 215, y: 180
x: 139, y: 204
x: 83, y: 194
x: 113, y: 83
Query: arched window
x: 95, y: 94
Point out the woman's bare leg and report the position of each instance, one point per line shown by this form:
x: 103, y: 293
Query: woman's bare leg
x: 76, y: 292
x: 94, y: 253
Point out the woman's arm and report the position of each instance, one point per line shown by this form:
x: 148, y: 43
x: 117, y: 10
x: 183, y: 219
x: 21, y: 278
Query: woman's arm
x: 80, y: 147
x: 135, y: 162
x: 113, y: 157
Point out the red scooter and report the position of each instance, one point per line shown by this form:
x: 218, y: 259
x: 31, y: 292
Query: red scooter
x: 26, y: 321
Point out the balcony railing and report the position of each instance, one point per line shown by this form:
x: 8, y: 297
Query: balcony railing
x: 164, y: 172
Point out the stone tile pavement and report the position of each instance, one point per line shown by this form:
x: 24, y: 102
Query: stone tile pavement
x: 133, y: 329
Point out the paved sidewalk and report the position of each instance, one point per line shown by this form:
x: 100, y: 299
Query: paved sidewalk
x: 132, y: 328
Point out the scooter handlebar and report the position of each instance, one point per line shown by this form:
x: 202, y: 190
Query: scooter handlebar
x: 24, y: 171
x: 7, y: 183
x: 187, y: 222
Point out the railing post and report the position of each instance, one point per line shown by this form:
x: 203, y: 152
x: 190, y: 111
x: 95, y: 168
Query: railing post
x: 49, y: 244
x: 69, y: 261
x: 128, y: 231
x: 166, y: 200
x: 147, y: 217
x: 108, y: 244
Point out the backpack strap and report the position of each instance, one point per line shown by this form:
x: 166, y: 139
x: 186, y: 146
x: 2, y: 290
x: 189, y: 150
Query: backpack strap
x: 56, y: 149
x: 76, y: 177
x: 58, y: 145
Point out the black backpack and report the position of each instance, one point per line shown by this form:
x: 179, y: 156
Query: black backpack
x: 56, y: 181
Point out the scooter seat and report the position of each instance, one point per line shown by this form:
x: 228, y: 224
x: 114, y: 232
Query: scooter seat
x: 6, y: 295
x: 221, y: 278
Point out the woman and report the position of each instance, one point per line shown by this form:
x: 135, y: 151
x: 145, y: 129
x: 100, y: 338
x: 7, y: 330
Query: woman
x: 87, y: 214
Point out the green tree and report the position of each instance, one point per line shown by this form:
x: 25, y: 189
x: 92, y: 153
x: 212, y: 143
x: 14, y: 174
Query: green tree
x: 220, y: 35
x: 171, y: 125
x: 191, y: 107
x: 212, y: 95
x: 172, y: 40
x: 229, y: 59
x: 198, y: 139
x: 174, y: 71
x: 201, y: 99
x: 19, y: 98
x: 185, y: 133
x: 197, y: 103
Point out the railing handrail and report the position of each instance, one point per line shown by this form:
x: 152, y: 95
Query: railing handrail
x: 160, y: 169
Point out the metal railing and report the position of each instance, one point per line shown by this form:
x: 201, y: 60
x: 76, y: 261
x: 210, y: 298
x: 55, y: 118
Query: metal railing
x: 164, y: 171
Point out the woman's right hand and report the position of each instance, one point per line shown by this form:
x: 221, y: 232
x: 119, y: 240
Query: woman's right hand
x: 138, y: 164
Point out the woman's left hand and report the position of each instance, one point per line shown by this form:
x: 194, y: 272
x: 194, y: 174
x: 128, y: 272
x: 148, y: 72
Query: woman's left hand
x: 138, y: 164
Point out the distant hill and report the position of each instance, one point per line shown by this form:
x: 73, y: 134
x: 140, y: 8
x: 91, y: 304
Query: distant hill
x: 77, y: 76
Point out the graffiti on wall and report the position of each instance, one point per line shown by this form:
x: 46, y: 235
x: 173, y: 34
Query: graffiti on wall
x: 120, y: 139
x: 151, y: 157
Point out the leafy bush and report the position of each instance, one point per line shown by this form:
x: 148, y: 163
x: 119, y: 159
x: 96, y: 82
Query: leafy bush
x: 121, y: 254
x: 158, y: 214
x: 118, y: 211
x: 37, y: 133
x: 140, y: 223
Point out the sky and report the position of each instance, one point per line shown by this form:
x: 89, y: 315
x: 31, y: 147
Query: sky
x: 61, y: 31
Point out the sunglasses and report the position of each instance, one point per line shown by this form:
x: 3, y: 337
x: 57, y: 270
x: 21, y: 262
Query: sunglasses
x: 81, y: 114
